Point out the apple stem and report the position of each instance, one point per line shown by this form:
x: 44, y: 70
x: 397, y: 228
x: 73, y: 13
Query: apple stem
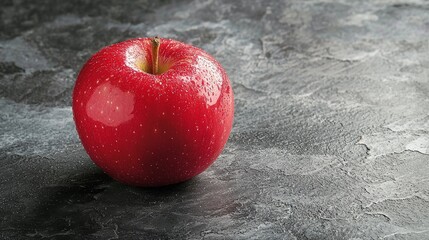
x: 156, y: 41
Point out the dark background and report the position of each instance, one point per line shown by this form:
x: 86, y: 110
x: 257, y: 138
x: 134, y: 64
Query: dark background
x: 330, y: 139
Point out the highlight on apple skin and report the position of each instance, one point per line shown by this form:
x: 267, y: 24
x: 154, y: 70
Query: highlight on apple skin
x: 153, y: 111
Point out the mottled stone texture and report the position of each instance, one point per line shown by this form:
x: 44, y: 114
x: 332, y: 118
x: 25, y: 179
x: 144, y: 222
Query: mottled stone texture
x: 331, y: 132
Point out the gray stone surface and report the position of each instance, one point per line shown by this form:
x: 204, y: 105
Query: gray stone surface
x: 331, y: 132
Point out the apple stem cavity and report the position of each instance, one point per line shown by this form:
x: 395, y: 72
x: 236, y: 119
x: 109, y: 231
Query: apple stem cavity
x: 156, y: 41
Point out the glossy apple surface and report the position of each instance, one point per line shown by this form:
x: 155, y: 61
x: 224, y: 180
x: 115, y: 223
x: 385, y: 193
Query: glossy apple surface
x: 149, y: 129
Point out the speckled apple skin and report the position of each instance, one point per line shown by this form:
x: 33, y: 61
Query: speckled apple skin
x: 153, y: 130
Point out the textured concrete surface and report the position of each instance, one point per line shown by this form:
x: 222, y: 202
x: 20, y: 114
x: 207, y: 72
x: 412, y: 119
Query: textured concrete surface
x: 331, y: 132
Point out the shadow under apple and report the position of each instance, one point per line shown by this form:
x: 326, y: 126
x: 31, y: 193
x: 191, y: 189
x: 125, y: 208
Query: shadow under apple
x: 92, y: 205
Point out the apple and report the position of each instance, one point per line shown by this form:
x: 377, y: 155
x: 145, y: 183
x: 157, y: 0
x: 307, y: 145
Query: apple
x: 152, y: 111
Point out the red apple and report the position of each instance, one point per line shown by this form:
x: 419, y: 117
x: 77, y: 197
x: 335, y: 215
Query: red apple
x: 153, y: 112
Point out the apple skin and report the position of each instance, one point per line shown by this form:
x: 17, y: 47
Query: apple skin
x: 153, y: 130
